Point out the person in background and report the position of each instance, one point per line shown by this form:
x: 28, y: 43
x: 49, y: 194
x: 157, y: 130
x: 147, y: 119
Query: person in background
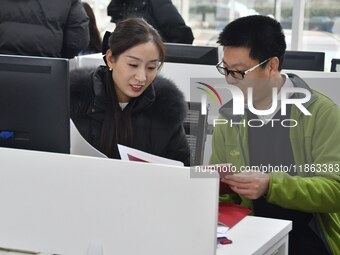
x: 46, y: 28
x: 304, y: 151
x: 95, y: 44
x: 127, y: 102
x: 161, y: 14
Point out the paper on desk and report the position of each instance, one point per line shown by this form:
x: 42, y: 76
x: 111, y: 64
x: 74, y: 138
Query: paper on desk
x: 130, y: 154
x: 222, y: 230
x: 79, y: 146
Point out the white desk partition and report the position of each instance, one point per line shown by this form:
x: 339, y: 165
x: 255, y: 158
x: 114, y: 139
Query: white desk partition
x: 91, y: 60
x: 61, y: 204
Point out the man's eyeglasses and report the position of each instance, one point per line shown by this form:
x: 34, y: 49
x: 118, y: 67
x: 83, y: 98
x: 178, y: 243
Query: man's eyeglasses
x: 239, y: 75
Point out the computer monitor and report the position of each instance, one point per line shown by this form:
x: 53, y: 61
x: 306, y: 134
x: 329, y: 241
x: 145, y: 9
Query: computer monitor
x: 304, y: 60
x: 190, y: 54
x: 34, y: 103
x: 335, y: 66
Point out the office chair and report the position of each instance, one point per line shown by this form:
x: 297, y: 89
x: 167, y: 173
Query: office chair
x: 335, y: 66
x: 195, y: 126
x: 304, y: 60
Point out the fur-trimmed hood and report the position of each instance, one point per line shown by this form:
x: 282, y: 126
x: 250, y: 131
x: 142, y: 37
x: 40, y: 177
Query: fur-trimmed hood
x: 162, y: 98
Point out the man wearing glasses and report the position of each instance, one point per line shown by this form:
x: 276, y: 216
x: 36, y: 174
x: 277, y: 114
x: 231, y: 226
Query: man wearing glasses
x: 286, y: 171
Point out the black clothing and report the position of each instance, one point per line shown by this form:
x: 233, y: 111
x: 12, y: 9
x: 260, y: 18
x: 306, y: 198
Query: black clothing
x: 161, y: 14
x: 270, y: 144
x: 46, y: 28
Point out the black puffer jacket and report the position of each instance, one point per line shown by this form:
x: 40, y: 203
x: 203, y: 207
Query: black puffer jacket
x: 157, y: 115
x: 161, y: 14
x: 49, y: 28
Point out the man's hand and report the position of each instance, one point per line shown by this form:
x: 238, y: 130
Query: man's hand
x: 251, y: 185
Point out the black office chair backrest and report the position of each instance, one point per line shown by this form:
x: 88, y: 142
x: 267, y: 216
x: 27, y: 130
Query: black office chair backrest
x: 304, y: 60
x: 335, y: 66
x: 195, y: 126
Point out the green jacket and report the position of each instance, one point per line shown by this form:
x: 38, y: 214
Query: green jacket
x: 315, y: 140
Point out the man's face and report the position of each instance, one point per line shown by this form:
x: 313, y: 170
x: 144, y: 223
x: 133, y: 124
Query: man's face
x: 238, y: 59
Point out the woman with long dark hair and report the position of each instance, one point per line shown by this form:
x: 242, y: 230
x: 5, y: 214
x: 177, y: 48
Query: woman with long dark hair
x: 95, y: 44
x: 126, y: 102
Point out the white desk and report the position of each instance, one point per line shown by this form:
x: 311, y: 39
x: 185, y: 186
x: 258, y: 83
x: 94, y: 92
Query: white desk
x: 252, y: 235
x: 257, y: 236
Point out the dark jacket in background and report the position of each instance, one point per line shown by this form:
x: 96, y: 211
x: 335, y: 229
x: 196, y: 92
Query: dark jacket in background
x: 157, y: 115
x: 161, y: 14
x: 48, y: 28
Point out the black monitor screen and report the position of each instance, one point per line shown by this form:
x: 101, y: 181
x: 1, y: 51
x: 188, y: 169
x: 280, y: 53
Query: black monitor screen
x: 189, y: 54
x: 34, y: 103
x: 304, y: 60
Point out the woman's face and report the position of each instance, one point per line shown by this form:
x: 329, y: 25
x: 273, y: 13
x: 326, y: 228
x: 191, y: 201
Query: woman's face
x: 134, y: 70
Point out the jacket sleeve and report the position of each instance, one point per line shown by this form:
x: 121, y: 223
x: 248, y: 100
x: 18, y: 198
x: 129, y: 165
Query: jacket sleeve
x: 178, y: 148
x: 81, y: 94
x: 76, y: 31
x: 320, y: 191
x: 170, y: 22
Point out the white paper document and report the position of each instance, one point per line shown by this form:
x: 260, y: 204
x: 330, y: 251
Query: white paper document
x: 222, y: 230
x: 79, y: 146
x: 130, y: 154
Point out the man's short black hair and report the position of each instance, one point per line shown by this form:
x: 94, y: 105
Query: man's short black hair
x: 261, y: 34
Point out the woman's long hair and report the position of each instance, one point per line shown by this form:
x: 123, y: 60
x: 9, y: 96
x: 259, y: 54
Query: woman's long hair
x: 95, y: 44
x: 117, y: 126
